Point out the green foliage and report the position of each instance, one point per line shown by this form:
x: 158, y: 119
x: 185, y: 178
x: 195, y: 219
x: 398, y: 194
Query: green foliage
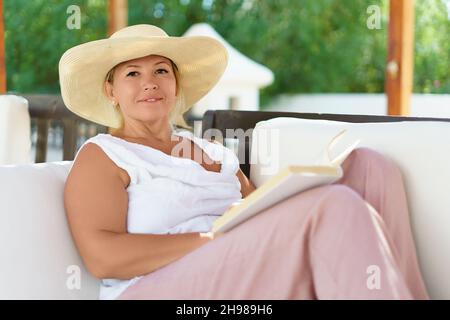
x: 432, y: 48
x: 311, y: 46
x: 36, y: 36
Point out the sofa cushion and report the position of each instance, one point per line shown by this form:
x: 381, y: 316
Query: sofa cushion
x: 38, y: 257
x: 15, y: 141
x: 420, y: 149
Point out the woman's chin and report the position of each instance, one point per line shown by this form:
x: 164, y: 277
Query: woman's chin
x: 151, y: 116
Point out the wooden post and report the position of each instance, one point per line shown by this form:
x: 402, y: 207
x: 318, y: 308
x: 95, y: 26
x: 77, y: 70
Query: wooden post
x: 69, y: 138
x: 42, y: 139
x: 2, y: 52
x: 117, y: 15
x: 399, y: 69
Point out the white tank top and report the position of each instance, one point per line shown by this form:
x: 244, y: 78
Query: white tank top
x: 169, y: 194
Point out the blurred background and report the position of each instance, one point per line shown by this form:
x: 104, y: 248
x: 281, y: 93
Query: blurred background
x: 286, y: 55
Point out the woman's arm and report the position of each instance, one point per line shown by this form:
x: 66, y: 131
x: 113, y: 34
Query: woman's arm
x: 247, y: 186
x: 96, y: 204
x: 126, y: 255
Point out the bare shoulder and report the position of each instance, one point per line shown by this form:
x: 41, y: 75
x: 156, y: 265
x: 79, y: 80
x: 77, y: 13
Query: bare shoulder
x: 91, y: 161
x: 94, y: 192
x: 93, y: 154
x: 91, y: 158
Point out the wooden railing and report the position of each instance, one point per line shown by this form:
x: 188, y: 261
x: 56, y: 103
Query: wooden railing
x: 48, y: 112
x: 49, y: 109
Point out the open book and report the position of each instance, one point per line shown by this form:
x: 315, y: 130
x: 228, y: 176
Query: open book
x: 289, y: 181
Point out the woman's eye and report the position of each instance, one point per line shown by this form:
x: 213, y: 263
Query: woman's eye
x: 165, y: 71
x: 132, y: 73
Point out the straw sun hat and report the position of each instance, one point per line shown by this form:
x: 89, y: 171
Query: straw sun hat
x: 200, y: 61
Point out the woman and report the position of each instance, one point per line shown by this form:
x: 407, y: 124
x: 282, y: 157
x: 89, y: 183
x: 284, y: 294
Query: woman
x: 140, y: 202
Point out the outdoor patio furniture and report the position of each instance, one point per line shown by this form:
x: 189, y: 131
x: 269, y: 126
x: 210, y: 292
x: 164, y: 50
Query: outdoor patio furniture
x: 39, y: 258
x: 15, y: 140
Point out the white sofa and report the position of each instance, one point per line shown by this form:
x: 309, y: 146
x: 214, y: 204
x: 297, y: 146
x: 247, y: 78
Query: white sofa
x: 39, y: 259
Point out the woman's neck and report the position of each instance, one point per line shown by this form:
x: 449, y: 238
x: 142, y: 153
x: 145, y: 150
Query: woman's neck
x: 162, y: 136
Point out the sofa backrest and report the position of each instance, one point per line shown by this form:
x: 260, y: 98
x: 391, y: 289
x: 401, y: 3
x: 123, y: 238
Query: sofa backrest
x: 38, y: 257
x: 420, y: 149
x: 231, y: 123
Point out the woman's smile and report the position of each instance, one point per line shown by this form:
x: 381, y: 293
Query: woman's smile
x: 151, y: 100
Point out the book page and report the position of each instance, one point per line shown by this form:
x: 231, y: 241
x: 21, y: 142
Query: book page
x: 327, y: 159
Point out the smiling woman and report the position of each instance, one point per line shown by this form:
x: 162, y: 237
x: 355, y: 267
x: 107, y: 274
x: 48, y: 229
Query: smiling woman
x: 154, y: 73
x: 144, y: 100
x: 141, y: 212
x: 145, y: 90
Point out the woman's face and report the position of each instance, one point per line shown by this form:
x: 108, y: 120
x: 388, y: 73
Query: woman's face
x: 145, y: 89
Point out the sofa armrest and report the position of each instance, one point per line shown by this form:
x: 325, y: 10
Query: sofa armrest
x: 39, y: 259
x: 420, y: 150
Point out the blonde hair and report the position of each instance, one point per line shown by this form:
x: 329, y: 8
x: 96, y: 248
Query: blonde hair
x: 176, y: 114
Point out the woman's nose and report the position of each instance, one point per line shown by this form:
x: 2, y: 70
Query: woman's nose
x: 150, y: 83
x: 148, y: 86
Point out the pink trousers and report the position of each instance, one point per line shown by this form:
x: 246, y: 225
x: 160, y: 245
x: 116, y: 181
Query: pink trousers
x: 348, y: 240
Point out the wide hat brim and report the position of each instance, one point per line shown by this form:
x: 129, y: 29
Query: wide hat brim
x: 200, y: 60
